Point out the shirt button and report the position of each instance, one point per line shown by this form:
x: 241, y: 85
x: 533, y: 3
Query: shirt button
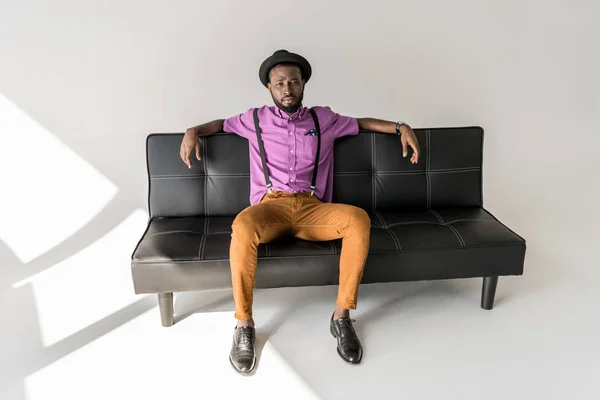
x: 291, y: 169
x: 291, y: 151
x: 291, y: 133
x: 292, y: 180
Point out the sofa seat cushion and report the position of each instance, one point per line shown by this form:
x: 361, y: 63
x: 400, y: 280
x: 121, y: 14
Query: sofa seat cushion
x: 203, y: 239
x: 437, y: 229
x: 192, y: 253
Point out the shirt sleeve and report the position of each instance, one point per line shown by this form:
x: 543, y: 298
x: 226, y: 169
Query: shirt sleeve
x: 340, y: 125
x: 242, y: 124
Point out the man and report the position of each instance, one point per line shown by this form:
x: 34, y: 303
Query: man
x: 288, y: 146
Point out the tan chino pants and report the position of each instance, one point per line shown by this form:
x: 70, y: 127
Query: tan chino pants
x: 306, y: 217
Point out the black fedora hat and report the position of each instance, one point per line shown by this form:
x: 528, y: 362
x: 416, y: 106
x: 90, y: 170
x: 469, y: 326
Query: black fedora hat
x: 284, y: 56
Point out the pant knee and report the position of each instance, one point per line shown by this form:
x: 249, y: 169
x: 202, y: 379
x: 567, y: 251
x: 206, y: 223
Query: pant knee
x: 244, y: 226
x: 360, y: 219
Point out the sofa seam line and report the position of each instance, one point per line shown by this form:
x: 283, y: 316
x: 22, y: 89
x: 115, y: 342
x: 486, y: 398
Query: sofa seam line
x: 428, y: 167
x: 392, y: 234
x: 203, y: 240
x: 453, y: 229
x: 321, y: 255
x: 332, y: 247
x: 205, y: 180
x: 438, y: 216
x: 378, y: 173
x: 373, y: 173
x: 460, y: 239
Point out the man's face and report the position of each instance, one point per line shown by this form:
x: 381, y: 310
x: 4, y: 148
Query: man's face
x: 287, y: 87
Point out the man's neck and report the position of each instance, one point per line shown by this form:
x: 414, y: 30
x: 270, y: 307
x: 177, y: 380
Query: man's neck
x: 291, y: 113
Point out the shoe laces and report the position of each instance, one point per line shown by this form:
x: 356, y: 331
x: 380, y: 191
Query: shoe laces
x: 346, y: 328
x: 244, y: 335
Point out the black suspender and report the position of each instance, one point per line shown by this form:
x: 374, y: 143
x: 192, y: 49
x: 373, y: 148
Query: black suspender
x: 318, y: 128
x: 261, y: 147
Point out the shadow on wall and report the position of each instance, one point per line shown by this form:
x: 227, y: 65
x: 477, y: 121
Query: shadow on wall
x: 66, y: 233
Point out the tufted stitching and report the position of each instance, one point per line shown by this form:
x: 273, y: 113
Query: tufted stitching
x: 196, y: 176
x: 453, y: 229
x: 427, y: 167
x: 368, y: 173
x: 460, y: 239
x: 332, y: 247
x: 411, y: 223
x: 453, y: 170
x: 203, y: 240
x: 229, y: 176
x: 176, y: 231
x: 469, y: 220
x: 381, y: 220
x: 376, y: 223
x: 399, y: 173
x: 439, y: 218
x: 189, y: 231
x: 205, y: 180
x: 425, y: 250
x: 394, y: 238
x: 373, y: 173
x: 398, y: 247
x: 457, y: 169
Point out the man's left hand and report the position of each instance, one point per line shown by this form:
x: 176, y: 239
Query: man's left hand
x: 408, y: 138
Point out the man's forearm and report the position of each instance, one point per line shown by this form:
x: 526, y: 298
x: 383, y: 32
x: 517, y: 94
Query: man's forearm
x: 208, y: 128
x: 408, y: 137
x: 379, y: 125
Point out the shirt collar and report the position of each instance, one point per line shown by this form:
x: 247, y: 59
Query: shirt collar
x: 297, y: 115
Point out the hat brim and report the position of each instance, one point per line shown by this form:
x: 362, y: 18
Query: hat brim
x: 278, y: 58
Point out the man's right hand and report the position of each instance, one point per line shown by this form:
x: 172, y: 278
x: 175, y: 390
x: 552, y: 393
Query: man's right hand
x: 188, y: 145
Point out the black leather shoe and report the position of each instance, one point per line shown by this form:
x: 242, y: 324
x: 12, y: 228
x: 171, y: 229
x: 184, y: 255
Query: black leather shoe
x: 242, y: 355
x: 348, y: 345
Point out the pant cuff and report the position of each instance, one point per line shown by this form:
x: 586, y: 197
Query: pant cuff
x: 242, y: 317
x: 347, y: 306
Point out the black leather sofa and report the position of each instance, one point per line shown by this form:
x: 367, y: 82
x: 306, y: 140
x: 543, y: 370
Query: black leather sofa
x: 428, y: 220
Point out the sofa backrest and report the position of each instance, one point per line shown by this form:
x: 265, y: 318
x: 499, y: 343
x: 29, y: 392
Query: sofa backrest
x: 369, y: 172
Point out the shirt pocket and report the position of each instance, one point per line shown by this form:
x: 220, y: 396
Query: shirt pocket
x: 309, y: 148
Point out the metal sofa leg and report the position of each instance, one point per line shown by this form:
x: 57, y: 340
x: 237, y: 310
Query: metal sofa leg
x: 165, y: 303
x: 489, y: 292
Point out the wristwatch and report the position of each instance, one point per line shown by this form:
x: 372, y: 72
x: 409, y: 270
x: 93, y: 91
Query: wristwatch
x: 398, y: 125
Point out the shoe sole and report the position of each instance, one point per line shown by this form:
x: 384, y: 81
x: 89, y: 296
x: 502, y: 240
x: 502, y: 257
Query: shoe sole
x: 332, y: 331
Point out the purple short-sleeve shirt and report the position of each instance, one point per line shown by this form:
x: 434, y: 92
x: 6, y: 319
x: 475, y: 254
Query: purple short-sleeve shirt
x: 289, y: 150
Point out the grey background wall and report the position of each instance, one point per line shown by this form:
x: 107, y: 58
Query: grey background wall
x: 97, y: 77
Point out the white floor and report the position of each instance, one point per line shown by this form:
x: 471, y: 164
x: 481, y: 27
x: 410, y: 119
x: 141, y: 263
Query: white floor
x: 422, y: 340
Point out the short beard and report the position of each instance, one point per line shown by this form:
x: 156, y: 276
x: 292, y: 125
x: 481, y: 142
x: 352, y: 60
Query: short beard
x: 290, y: 109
